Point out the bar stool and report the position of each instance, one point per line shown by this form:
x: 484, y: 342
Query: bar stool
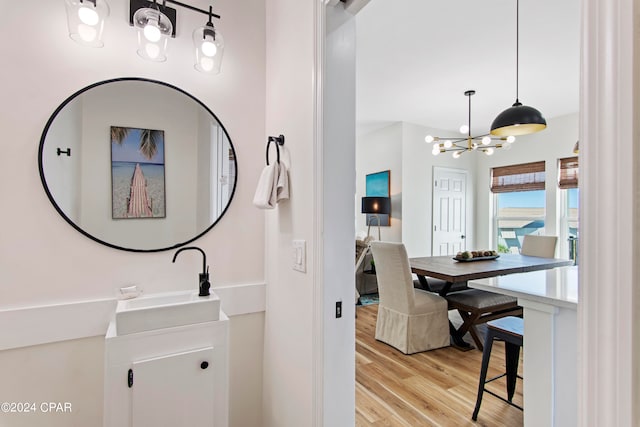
x: 509, y: 329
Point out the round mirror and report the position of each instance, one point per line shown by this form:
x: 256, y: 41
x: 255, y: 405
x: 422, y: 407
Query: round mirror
x: 137, y: 164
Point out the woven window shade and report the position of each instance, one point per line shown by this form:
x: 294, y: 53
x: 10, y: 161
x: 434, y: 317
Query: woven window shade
x: 568, y: 176
x: 523, y: 177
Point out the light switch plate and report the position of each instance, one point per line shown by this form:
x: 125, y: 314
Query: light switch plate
x: 299, y: 255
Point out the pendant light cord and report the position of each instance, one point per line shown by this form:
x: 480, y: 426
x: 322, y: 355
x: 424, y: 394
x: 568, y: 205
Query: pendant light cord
x: 517, y: 47
x: 469, y: 132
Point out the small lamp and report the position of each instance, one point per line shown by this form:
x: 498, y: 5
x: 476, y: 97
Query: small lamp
x: 375, y: 206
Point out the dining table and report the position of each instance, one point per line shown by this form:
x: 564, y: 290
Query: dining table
x: 456, y: 273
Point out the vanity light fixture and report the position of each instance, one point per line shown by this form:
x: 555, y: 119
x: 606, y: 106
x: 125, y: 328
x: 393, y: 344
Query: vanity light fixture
x: 155, y: 23
x: 153, y: 27
x: 518, y: 119
x: 85, y: 20
x: 209, y: 47
x: 485, y: 143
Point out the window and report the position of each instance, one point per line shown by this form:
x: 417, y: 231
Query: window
x: 568, y: 182
x: 519, y: 197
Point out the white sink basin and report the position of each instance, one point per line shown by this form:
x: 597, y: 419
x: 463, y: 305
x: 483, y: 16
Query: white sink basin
x: 165, y: 310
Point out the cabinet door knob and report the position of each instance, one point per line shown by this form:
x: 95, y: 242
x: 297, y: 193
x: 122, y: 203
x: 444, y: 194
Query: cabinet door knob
x: 204, y: 365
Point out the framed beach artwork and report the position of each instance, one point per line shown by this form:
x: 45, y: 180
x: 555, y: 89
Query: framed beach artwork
x: 378, y: 184
x: 137, y: 173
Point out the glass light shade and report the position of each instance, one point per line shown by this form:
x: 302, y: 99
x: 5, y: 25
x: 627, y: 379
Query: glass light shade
x: 464, y: 129
x: 518, y: 120
x: 488, y: 151
x: 86, y: 21
x: 436, y: 150
x: 486, y: 140
x: 511, y: 139
x: 428, y: 139
x: 457, y: 154
x: 154, y: 29
x: 208, y: 44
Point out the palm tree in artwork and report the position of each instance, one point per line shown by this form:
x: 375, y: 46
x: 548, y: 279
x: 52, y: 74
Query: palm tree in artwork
x: 148, y: 139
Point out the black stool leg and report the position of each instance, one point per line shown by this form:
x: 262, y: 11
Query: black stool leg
x: 512, y: 355
x: 486, y: 355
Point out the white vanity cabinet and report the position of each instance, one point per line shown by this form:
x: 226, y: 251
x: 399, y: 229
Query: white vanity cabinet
x: 168, y: 377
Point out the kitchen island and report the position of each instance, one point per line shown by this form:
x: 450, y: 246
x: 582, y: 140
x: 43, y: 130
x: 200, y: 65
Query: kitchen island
x: 550, y: 302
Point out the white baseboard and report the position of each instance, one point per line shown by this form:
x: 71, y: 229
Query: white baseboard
x: 44, y: 324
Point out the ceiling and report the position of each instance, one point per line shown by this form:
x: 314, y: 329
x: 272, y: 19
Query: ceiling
x: 416, y: 58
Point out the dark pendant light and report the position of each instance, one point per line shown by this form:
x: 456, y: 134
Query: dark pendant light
x: 518, y: 119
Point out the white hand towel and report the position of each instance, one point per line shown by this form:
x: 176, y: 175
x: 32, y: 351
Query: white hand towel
x: 282, y: 186
x: 265, y: 196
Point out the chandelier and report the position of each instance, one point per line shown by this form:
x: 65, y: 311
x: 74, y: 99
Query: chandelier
x: 458, y: 145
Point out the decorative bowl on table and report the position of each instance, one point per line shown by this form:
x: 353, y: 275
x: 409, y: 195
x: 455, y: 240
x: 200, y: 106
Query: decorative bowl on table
x: 468, y: 256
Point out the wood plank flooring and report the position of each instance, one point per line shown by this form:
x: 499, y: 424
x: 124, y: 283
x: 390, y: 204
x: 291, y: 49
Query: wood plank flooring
x: 433, y: 388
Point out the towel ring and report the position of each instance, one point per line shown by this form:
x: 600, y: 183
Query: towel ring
x: 279, y: 140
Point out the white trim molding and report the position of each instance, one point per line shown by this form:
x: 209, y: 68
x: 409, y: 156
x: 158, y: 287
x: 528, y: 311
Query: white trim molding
x: 608, y: 313
x: 26, y: 326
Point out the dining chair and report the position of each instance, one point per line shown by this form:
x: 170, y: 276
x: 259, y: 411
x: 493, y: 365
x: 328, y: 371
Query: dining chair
x: 540, y: 246
x: 409, y: 319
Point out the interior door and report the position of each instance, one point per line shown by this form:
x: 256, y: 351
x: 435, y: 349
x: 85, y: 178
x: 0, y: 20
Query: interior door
x: 449, y: 211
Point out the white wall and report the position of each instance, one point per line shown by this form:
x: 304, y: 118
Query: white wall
x: 309, y: 371
x: 551, y: 144
x: 378, y: 151
x: 288, y: 336
x: 418, y: 164
x: 44, y: 261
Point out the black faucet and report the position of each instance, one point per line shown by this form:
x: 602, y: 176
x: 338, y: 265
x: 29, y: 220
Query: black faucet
x: 203, y: 283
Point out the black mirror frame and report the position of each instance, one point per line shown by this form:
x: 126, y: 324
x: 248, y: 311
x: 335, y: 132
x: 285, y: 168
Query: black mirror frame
x: 73, y: 224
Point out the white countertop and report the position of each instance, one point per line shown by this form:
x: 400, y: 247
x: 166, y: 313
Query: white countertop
x: 557, y: 286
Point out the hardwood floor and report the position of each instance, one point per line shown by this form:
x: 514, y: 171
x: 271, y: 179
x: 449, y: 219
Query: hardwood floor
x: 432, y: 388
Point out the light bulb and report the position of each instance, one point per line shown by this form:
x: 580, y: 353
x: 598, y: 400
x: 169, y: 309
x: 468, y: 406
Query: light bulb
x: 435, y: 150
x: 209, y: 48
x: 88, y: 16
x: 486, y: 140
x: 488, y: 151
x: 428, y: 139
x: 448, y: 144
x: 152, y: 32
x: 511, y: 138
x: 87, y: 33
x: 206, y: 63
x: 506, y: 145
x: 474, y: 145
x: 457, y: 154
x: 464, y: 129
x: 152, y: 50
